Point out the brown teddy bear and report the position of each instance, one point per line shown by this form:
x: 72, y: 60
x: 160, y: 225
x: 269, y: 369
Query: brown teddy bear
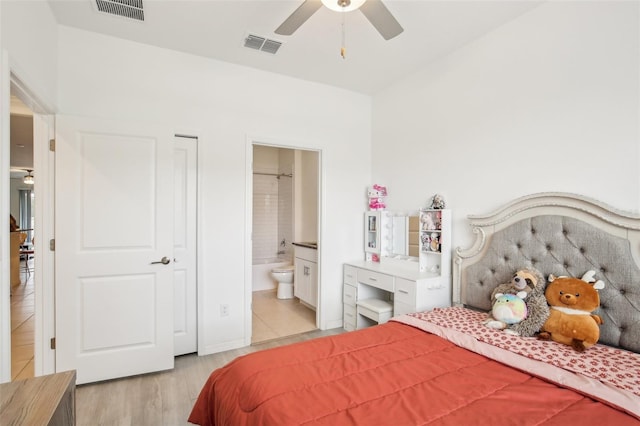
x: 570, y: 319
x: 528, y: 284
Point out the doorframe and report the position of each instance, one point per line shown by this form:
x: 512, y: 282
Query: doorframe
x: 197, y: 134
x: 199, y: 307
x: 252, y: 140
x: 5, y: 298
x: 12, y: 82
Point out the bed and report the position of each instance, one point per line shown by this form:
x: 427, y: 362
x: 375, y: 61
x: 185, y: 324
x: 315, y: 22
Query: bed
x: 444, y: 366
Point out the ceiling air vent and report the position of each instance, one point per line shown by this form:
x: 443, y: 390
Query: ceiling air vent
x: 126, y: 8
x: 271, y: 46
x: 261, y: 43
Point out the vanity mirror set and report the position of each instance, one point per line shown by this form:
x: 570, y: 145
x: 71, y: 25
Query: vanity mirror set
x: 419, y: 237
x: 406, y: 267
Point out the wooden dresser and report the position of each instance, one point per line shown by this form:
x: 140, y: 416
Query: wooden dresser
x: 44, y: 400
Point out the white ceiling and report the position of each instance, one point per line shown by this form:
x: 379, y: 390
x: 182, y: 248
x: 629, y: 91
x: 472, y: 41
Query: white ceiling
x: 217, y: 29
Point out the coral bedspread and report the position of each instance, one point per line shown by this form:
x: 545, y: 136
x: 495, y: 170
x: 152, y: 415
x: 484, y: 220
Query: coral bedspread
x: 391, y: 374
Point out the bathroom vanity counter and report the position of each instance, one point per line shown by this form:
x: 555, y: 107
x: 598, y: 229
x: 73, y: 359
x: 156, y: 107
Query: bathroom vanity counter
x: 310, y: 245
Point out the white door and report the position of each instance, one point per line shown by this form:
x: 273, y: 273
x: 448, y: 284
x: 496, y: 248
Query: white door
x: 114, y: 224
x: 184, y: 246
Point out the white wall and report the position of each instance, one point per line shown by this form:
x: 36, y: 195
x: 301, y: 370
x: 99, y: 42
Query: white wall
x: 5, y: 267
x: 226, y: 105
x: 547, y: 102
x: 28, y: 40
x: 307, y: 196
x: 29, y: 34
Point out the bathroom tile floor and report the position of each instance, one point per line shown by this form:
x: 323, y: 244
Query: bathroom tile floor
x: 22, y: 326
x: 274, y: 318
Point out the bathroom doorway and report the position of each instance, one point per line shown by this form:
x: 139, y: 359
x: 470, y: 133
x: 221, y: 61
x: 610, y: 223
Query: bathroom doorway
x: 285, y: 193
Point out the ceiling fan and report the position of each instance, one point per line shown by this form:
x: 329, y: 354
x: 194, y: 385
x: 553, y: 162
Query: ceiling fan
x: 28, y: 179
x: 374, y: 10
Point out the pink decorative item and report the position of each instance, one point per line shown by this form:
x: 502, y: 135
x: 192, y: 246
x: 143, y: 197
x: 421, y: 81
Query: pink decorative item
x: 382, y: 190
x: 377, y: 203
x: 376, y: 194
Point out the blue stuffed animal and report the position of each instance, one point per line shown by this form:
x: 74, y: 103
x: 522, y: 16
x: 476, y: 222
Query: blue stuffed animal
x: 508, y: 309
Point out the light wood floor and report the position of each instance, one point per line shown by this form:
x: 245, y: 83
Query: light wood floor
x: 272, y: 318
x: 22, y: 325
x: 163, y: 398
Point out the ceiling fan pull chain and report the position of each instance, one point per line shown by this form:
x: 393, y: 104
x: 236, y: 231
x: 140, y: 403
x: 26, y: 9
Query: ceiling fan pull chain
x: 343, y: 49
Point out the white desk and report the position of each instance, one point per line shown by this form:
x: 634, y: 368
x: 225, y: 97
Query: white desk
x: 409, y: 290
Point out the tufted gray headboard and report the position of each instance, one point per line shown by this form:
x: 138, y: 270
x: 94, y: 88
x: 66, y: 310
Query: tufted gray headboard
x: 560, y: 234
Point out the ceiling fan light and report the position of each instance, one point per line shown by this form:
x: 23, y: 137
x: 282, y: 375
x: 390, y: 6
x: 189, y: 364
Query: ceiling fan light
x: 338, y: 7
x: 28, y: 179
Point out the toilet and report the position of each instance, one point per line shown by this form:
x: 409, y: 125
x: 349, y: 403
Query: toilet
x: 284, y: 276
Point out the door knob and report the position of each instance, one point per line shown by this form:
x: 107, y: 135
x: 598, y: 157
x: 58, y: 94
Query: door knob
x: 165, y: 261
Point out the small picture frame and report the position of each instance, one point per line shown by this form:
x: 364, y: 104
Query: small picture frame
x: 426, y: 241
x: 435, y: 242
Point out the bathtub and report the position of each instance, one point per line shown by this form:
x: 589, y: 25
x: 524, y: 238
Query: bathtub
x: 261, y: 278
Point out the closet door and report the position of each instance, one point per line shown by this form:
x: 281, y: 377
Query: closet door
x: 114, y: 248
x: 184, y: 250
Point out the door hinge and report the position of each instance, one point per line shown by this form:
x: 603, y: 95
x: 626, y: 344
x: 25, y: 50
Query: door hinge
x: 53, y: 343
x: 52, y: 145
x: 52, y: 244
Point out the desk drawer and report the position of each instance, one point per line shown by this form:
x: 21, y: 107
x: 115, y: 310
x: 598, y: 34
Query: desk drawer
x: 350, y: 275
x: 349, y: 295
x: 375, y: 279
x: 405, y: 291
x: 350, y: 317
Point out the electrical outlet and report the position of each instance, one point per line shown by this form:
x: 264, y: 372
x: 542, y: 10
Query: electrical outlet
x: 224, y: 310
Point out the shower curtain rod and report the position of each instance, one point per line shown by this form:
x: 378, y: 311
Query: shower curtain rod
x: 274, y: 174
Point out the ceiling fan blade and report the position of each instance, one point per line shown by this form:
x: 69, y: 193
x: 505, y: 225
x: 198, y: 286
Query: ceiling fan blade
x: 380, y: 17
x: 298, y: 17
